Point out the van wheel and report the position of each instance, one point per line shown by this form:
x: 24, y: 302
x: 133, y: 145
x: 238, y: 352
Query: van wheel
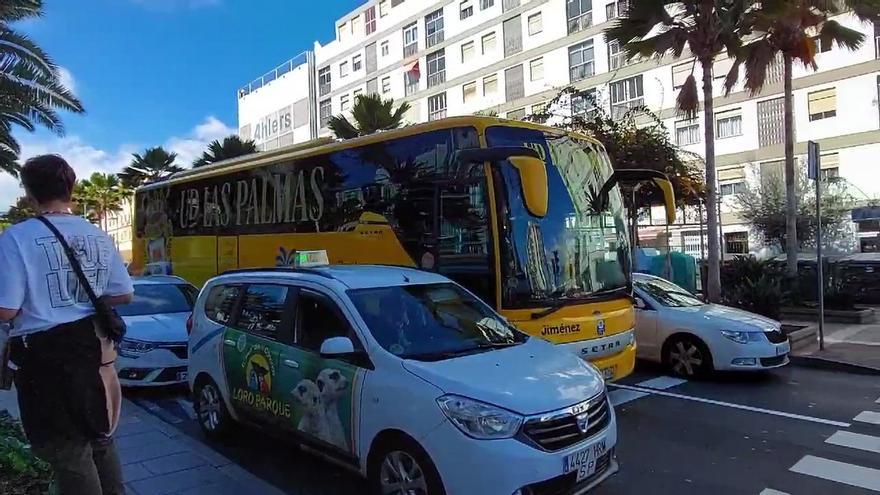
x: 401, y: 467
x: 213, y: 417
x: 687, y: 357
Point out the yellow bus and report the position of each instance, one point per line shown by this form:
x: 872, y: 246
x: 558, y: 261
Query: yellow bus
x: 527, y: 217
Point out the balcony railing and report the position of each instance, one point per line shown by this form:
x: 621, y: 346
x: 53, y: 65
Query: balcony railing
x: 272, y: 75
x: 877, y: 47
x: 436, y: 78
x: 410, y: 50
x: 580, y: 22
x: 434, y: 38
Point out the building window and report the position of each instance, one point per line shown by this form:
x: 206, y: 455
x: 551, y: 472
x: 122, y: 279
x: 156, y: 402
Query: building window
x: 830, y: 163
x: 467, y: 52
x: 370, y: 21
x: 469, y: 92
x: 687, y: 132
x: 536, y: 69
x: 490, y: 84
x: 410, y: 83
x: 324, y: 80
x: 355, y: 25
x: 385, y: 48
x: 536, y: 24
x: 436, y: 67
x: 771, y: 118
x: 517, y: 114
x: 437, y: 107
x: 343, y: 69
x: 680, y: 74
x: 383, y: 8
x: 771, y: 171
x: 341, y: 32
x: 580, y: 61
x: 356, y: 63
x: 626, y: 94
x: 343, y: 103
x: 822, y: 104
x: 356, y: 93
x: 580, y: 15
x: 466, y: 9
x: 325, y: 111
x: 488, y: 43
x: 583, y: 104
x: 829, y: 173
x: 728, y: 124
x: 722, y: 66
x: 386, y: 85
x: 434, y: 28
x: 731, y: 189
x: 485, y: 4
x: 821, y: 46
x: 736, y: 243
x: 616, y: 57
x: 539, y: 108
x: 614, y: 10
x: 410, y: 40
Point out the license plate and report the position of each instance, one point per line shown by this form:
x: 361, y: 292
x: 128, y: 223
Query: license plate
x: 608, y: 373
x: 583, y: 462
x: 783, y: 349
x: 181, y: 376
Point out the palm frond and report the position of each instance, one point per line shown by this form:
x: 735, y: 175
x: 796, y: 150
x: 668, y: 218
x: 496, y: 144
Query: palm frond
x: 18, y: 47
x: 759, y: 56
x: 844, y: 37
x: 342, y: 128
x: 16, y: 10
x: 865, y: 10
x: 688, y: 100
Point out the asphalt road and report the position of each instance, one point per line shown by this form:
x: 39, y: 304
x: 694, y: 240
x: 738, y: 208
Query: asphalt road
x: 791, y: 431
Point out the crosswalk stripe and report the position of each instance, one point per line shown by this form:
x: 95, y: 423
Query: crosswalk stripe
x: 855, y: 441
x: 770, y: 491
x: 620, y: 397
x: 662, y: 382
x: 841, y: 472
x: 868, y: 417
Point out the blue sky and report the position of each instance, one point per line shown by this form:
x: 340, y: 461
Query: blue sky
x: 162, y: 72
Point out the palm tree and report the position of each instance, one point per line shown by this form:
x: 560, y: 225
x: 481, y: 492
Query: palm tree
x: 30, y: 87
x: 231, y: 147
x: 653, y: 28
x: 101, y: 194
x: 371, y: 114
x: 787, y: 27
x: 20, y: 211
x: 155, y: 164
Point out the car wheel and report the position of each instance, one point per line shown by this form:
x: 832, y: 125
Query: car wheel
x: 401, y: 467
x: 213, y: 417
x: 688, y: 357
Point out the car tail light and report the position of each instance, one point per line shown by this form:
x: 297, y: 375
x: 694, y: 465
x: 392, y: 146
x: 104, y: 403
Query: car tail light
x: 189, y: 324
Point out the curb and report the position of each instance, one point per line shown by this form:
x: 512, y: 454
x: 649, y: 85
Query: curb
x: 832, y: 365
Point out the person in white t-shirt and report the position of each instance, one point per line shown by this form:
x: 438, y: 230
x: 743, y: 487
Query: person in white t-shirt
x: 68, y: 392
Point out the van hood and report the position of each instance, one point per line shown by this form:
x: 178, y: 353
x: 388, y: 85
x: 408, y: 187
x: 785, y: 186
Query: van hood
x: 531, y: 378
x: 157, y: 328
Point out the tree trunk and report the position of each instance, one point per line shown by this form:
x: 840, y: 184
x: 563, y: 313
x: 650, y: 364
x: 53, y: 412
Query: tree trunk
x: 634, y: 225
x: 713, y: 279
x: 791, y: 242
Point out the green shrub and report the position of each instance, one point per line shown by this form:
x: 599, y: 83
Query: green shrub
x: 753, y: 285
x: 21, y: 472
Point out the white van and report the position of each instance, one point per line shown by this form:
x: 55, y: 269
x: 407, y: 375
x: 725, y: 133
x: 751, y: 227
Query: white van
x: 402, y: 376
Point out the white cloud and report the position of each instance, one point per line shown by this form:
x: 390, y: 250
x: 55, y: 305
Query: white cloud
x: 87, y: 159
x: 66, y: 79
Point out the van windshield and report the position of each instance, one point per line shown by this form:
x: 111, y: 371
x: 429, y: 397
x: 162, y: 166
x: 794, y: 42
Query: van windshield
x: 432, y: 322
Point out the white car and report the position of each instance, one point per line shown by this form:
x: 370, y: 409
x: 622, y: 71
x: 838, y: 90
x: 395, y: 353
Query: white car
x: 402, y: 376
x: 154, y: 350
x: 693, y: 338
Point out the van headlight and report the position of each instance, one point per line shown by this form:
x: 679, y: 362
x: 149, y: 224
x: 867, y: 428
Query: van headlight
x: 479, y: 420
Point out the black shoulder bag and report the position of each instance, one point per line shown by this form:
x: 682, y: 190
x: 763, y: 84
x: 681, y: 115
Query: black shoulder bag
x: 107, y: 319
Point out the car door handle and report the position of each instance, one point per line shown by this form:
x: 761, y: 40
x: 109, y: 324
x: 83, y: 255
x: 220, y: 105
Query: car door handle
x: 290, y: 363
x: 230, y: 343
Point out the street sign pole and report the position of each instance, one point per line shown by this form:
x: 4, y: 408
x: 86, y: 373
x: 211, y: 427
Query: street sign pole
x: 814, y: 170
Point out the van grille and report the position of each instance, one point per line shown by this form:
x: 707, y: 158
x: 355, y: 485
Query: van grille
x: 557, y: 431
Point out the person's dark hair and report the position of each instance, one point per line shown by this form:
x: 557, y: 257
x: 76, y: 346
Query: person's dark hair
x: 48, y: 178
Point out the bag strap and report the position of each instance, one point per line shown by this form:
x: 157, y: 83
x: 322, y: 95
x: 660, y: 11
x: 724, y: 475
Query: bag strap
x: 74, y: 262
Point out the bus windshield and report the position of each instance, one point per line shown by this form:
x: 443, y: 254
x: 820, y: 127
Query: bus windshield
x: 573, y: 253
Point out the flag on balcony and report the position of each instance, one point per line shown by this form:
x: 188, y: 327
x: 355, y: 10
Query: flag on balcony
x: 413, y: 70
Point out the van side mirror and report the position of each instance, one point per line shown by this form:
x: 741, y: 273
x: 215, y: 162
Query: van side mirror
x: 335, y: 347
x: 640, y: 303
x: 527, y: 162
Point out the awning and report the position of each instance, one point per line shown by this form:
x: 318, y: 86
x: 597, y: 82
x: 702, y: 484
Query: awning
x: 866, y: 213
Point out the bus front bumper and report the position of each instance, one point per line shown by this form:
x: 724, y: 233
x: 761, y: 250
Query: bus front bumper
x: 613, y: 366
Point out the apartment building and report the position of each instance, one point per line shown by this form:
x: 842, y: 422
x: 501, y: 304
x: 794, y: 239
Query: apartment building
x: 118, y: 225
x: 510, y: 57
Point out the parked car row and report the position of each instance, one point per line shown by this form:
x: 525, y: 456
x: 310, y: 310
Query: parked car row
x: 327, y: 354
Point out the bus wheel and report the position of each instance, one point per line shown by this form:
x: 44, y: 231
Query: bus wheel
x: 687, y: 356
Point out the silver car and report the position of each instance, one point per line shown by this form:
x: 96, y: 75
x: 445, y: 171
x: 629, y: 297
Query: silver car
x: 154, y: 350
x: 692, y: 338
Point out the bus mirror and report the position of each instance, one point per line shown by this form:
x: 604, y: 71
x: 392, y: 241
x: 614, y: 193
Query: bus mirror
x: 668, y: 198
x: 640, y: 175
x: 533, y: 177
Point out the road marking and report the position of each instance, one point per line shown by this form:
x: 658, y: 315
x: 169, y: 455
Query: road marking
x: 868, y: 417
x: 770, y: 491
x: 620, y: 397
x: 855, y: 441
x: 732, y: 405
x: 841, y: 472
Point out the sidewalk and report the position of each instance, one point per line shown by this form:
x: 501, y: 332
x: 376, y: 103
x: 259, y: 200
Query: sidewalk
x: 848, y: 347
x: 158, y: 459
